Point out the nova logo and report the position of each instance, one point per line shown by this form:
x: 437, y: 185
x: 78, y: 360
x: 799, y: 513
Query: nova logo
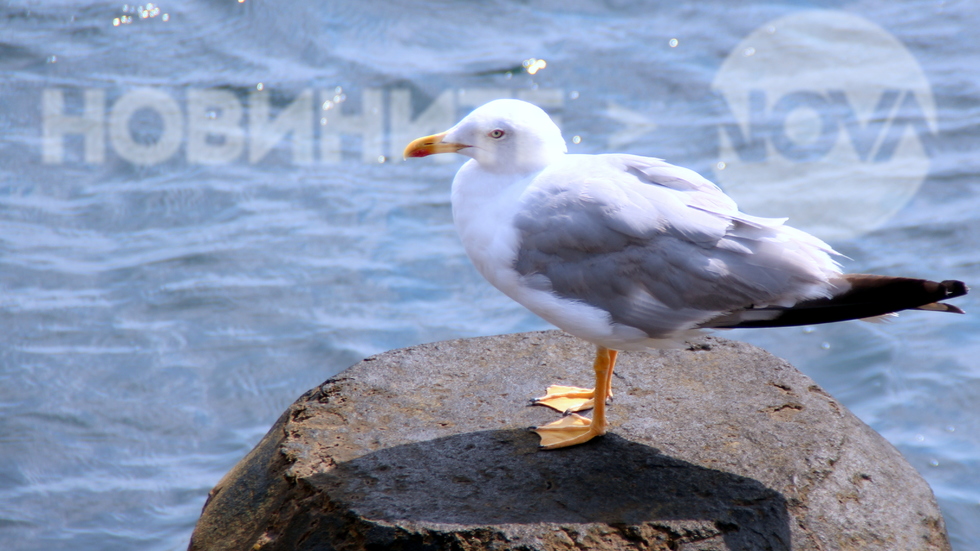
x: 874, y: 139
x: 829, y: 121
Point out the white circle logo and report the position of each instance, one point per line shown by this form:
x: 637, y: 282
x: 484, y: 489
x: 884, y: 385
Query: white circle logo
x: 830, y: 118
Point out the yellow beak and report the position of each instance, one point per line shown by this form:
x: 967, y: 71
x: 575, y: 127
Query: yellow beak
x: 430, y: 145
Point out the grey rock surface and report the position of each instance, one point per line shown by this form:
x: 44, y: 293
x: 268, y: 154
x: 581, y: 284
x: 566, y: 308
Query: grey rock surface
x: 719, y: 446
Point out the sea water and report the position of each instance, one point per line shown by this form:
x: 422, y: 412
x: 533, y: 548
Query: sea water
x: 204, y: 213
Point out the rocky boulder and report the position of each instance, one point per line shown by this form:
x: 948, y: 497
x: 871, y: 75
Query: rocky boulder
x: 718, y: 446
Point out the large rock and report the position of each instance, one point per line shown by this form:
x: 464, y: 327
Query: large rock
x: 720, y: 446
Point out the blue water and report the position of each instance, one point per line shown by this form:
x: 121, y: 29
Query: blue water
x: 164, y: 296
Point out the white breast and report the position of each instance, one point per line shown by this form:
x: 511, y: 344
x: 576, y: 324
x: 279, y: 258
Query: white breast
x: 483, y: 207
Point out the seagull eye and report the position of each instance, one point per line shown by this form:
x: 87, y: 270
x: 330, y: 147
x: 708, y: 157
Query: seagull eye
x: 496, y: 134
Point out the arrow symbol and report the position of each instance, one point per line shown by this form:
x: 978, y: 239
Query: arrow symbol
x: 636, y: 125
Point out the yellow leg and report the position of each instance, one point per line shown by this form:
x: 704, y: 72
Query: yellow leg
x: 575, y: 429
x: 571, y: 399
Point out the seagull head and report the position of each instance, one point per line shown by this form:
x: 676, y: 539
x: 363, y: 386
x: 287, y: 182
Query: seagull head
x: 503, y: 136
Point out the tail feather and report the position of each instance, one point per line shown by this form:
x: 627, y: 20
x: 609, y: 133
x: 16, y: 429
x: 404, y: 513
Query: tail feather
x: 856, y: 296
x: 940, y: 307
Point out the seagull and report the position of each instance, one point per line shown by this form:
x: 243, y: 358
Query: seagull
x: 631, y: 253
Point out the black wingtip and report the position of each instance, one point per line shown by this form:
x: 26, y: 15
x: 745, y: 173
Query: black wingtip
x: 954, y: 288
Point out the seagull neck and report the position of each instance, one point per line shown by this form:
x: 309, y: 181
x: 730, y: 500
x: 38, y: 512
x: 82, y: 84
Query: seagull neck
x: 475, y: 181
x: 477, y: 193
x: 517, y: 165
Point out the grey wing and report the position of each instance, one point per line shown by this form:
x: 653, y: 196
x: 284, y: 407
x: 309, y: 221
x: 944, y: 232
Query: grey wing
x: 659, y: 257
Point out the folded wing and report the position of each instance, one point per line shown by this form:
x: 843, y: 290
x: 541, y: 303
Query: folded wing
x: 659, y: 247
